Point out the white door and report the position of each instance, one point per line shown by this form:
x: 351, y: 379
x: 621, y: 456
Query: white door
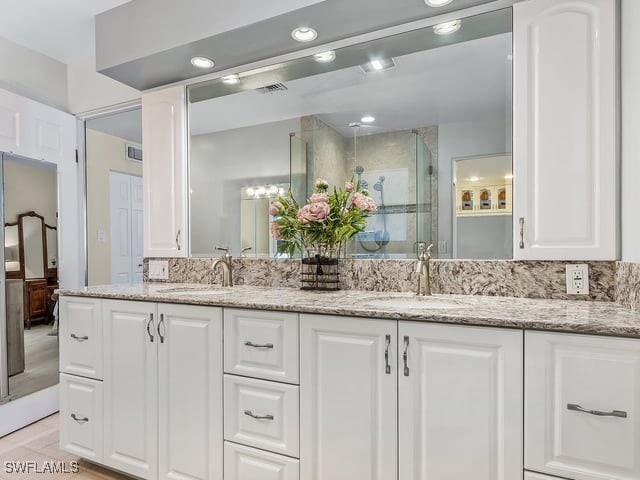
x: 126, y: 228
x: 582, y: 406
x: 565, y: 130
x: 131, y: 387
x: 348, y: 398
x: 189, y: 340
x: 164, y: 141
x: 460, y: 402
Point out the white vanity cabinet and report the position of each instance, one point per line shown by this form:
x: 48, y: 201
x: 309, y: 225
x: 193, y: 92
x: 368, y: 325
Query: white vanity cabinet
x: 565, y: 130
x: 164, y: 142
x: 582, y: 406
x: 460, y: 402
x: 348, y: 398
x: 157, y: 413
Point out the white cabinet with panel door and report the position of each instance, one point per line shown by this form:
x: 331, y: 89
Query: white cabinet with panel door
x: 348, y: 398
x: 460, y: 402
x: 582, y: 406
x: 565, y: 130
x: 163, y: 390
x: 164, y: 141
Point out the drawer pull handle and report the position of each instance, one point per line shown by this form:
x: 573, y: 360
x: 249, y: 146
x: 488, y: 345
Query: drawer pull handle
x: 387, y: 367
x: 257, y: 345
x: 161, y: 324
x: 150, y: 327
x: 80, y: 339
x: 79, y: 419
x: 614, y: 413
x: 249, y: 413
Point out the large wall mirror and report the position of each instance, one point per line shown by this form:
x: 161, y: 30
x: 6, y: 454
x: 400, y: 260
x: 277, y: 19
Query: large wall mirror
x: 422, y: 117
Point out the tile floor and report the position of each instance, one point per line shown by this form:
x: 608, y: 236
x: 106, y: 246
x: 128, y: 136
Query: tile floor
x: 39, y: 443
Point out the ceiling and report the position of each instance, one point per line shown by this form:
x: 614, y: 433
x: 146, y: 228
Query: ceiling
x: 460, y: 82
x: 125, y: 125
x: 61, y: 29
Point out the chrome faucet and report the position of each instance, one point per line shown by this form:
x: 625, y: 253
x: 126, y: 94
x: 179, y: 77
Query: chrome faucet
x: 227, y: 267
x: 422, y: 269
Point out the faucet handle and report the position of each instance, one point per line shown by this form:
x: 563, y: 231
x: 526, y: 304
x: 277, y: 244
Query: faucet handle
x: 225, y: 250
x: 243, y: 251
x: 429, y: 250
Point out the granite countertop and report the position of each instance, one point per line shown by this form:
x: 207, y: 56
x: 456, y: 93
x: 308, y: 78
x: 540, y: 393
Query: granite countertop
x: 603, y: 318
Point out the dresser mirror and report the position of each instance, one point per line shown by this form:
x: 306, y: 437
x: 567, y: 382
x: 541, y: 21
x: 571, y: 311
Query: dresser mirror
x: 396, y: 113
x: 30, y: 265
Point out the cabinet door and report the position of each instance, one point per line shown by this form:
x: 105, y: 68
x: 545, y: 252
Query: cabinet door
x: 245, y: 463
x: 348, y: 399
x: 190, y: 392
x: 130, y: 387
x: 582, y: 406
x: 565, y: 130
x: 460, y: 402
x: 164, y: 172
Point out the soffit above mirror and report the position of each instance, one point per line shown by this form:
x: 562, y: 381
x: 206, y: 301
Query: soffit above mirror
x: 333, y: 19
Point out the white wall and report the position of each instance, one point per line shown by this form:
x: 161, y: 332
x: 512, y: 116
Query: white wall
x: 33, y: 75
x: 630, y: 129
x: 30, y: 188
x: 90, y: 90
x: 457, y: 140
x: 221, y: 164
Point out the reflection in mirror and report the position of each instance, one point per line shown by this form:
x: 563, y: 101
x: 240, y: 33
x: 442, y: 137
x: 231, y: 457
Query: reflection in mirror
x: 393, y: 113
x: 52, y: 247
x: 114, y: 159
x: 30, y: 199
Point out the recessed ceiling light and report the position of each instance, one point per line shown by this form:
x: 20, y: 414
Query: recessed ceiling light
x: 231, y: 79
x: 437, y: 3
x: 304, y: 34
x: 474, y: 179
x: 447, y: 28
x: 202, y: 62
x: 368, y: 119
x: 378, y: 65
x: 325, y: 57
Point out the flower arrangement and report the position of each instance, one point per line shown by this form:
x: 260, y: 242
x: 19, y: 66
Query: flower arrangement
x: 325, y: 223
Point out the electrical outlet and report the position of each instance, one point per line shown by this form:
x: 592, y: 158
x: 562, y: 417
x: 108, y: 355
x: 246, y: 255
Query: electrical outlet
x: 158, y: 270
x: 577, y: 277
x: 443, y: 246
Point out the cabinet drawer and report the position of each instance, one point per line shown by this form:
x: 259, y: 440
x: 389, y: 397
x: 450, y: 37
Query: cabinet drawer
x: 262, y: 414
x: 582, y: 406
x: 81, y: 416
x: 81, y: 336
x: 245, y: 463
x: 261, y: 344
x: 538, y: 476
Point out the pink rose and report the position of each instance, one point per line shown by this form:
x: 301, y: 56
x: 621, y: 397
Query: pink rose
x: 319, y: 198
x: 321, y: 184
x: 349, y: 187
x: 364, y: 203
x: 313, y: 212
x: 275, y: 231
x: 275, y: 208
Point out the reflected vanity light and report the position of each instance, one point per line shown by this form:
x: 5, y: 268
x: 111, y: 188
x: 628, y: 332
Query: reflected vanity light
x: 368, y: 119
x: 378, y: 65
x: 202, y: 62
x: 231, y: 79
x: 263, y: 191
x: 325, y: 57
x: 437, y: 3
x: 447, y: 28
x: 304, y: 34
x: 508, y: 176
x: 474, y: 179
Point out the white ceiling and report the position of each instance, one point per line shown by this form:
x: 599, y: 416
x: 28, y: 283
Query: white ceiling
x: 125, y: 125
x: 61, y: 29
x: 460, y: 82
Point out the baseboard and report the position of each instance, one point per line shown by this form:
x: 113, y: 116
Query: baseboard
x: 26, y: 410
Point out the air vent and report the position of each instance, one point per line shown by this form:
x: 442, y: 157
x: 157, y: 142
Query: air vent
x: 276, y: 87
x: 133, y: 153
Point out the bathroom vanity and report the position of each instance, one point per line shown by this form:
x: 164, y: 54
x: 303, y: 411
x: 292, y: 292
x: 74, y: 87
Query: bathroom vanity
x: 192, y: 381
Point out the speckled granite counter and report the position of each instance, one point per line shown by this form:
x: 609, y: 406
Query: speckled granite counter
x: 604, y: 318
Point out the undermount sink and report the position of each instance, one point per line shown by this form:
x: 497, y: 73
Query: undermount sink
x: 193, y: 291
x: 421, y: 303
